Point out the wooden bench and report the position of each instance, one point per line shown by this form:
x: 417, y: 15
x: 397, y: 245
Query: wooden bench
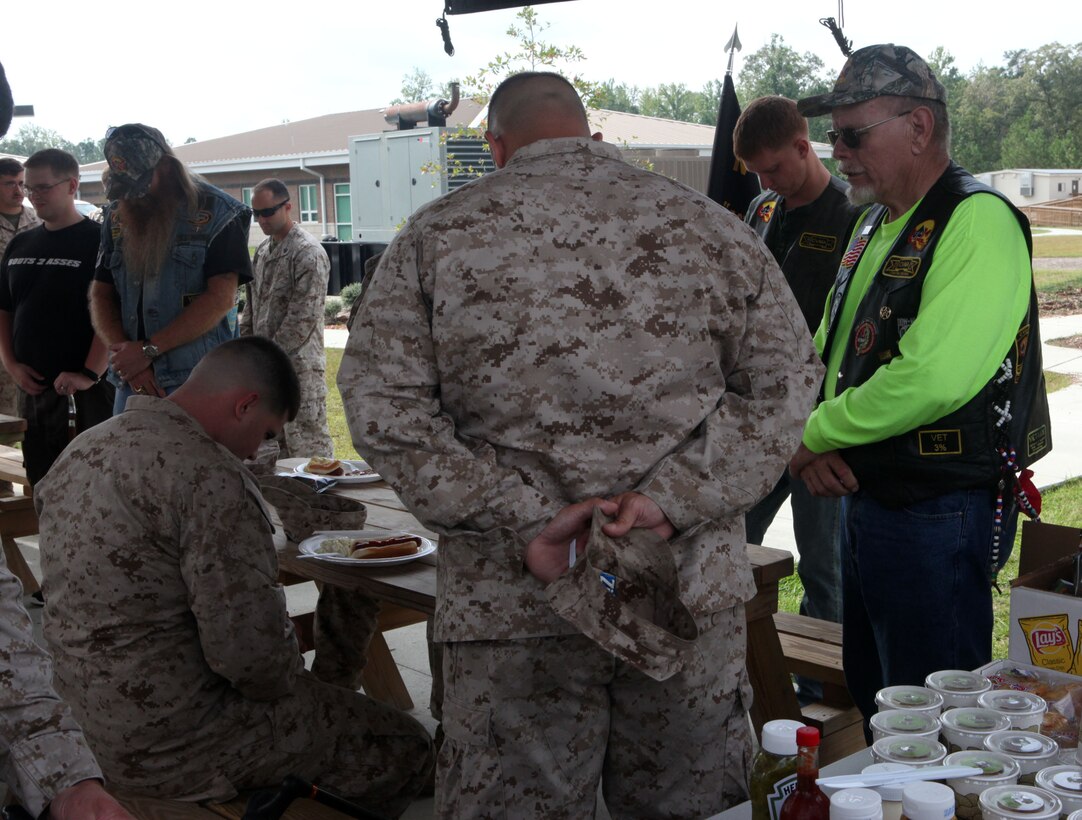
x: 11, y: 467
x: 17, y: 516
x: 813, y: 648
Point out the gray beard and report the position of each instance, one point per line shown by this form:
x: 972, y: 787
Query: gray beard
x: 860, y: 196
x: 147, y: 235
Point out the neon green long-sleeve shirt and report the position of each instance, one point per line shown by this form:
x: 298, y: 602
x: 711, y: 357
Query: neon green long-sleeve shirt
x: 973, y: 299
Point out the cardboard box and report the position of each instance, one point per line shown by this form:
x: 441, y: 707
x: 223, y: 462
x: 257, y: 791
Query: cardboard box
x: 1045, y: 627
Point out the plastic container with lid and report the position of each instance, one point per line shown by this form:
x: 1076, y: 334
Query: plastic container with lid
x: 856, y: 804
x: 904, y: 722
x: 917, y: 752
x: 913, y: 698
x: 968, y: 726
x: 773, y: 771
x: 1075, y: 815
x: 1019, y: 803
x: 958, y: 688
x: 891, y: 795
x: 997, y: 768
x: 1032, y: 752
x: 1024, y: 709
x: 1065, y: 782
x: 925, y: 800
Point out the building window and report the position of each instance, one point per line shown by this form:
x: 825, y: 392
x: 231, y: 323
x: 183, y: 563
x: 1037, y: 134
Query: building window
x: 1059, y: 186
x: 343, y: 217
x: 309, y: 203
x: 246, y: 196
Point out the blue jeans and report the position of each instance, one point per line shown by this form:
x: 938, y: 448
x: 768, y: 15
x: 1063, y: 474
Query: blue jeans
x: 817, y: 528
x: 123, y: 393
x: 916, y: 587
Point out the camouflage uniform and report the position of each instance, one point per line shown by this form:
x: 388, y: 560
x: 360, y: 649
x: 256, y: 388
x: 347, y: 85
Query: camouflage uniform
x: 285, y: 303
x: 9, y: 395
x: 170, y: 633
x: 42, y: 750
x: 568, y: 327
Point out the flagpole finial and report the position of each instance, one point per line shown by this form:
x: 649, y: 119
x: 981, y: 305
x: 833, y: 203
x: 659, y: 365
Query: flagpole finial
x: 732, y: 47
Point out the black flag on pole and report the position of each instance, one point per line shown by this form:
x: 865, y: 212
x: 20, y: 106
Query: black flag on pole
x: 730, y: 183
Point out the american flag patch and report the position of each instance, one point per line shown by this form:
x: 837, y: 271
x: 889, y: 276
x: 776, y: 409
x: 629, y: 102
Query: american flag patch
x: 854, y: 252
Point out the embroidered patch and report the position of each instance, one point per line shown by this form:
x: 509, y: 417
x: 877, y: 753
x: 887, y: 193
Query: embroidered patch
x: 608, y: 581
x: 903, y: 326
x: 940, y: 442
x: 818, y: 242
x: 864, y: 337
x: 901, y: 267
x: 884, y: 313
x: 118, y: 164
x: 200, y: 218
x: 1021, y: 345
x: 766, y: 211
x: 920, y: 235
x: 1037, y: 440
x: 855, y: 250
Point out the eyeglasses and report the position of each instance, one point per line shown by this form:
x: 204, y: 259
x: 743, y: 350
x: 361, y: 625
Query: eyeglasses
x: 12, y: 183
x: 851, y: 136
x: 42, y: 189
x: 271, y: 211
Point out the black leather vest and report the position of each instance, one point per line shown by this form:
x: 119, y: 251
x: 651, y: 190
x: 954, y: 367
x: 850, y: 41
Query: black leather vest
x: 960, y: 450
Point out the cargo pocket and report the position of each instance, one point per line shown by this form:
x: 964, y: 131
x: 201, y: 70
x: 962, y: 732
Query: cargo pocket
x: 469, y: 771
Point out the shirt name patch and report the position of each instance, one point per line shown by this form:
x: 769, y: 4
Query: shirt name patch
x: 818, y: 242
x: 902, y: 267
x: 940, y: 442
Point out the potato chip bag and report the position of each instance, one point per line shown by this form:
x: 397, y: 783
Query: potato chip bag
x: 1049, y: 640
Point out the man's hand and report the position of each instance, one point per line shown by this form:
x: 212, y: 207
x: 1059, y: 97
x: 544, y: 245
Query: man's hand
x: 68, y: 383
x: 637, y: 511
x: 546, y: 555
x: 145, y: 384
x: 28, y: 379
x: 128, y: 360
x: 86, y: 800
x: 829, y: 476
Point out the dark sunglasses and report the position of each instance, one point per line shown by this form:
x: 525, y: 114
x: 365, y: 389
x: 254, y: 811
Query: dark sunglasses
x: 851, y: 136
x: 271, y: 211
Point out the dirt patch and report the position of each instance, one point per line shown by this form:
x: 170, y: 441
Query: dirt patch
x: 1066, y: 302
x: 1067, y: 341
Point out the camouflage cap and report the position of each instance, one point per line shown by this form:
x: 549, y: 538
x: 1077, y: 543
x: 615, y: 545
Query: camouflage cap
x: 877, y: 71
x: 133, y: 152
x: 623, y: 594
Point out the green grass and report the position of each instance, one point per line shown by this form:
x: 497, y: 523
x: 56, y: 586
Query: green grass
x: 1053, y: 281
x: 336, y: 415
x: 1056, y: 381
x: 1059, y: 245
x: 1061, y: 505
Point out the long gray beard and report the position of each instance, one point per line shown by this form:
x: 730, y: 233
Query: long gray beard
x: 148, y: 235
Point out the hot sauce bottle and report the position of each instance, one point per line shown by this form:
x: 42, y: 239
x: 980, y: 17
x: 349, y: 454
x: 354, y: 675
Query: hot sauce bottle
x: 807, y: 802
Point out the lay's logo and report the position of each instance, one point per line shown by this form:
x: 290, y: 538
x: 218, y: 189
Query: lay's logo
x: 1048, y: 640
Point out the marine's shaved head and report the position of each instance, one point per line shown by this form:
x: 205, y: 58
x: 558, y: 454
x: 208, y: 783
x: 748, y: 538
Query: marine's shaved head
x: 533, y: 106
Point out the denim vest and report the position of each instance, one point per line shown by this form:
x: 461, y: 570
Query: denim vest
x: 180, y: 280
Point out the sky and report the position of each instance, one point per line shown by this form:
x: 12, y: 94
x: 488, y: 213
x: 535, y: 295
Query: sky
x: 207, y: 69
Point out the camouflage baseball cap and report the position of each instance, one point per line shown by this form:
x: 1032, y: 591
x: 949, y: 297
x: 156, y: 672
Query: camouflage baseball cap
x: 623, y: 594
x: 877, y: 71
x: 133, y: 152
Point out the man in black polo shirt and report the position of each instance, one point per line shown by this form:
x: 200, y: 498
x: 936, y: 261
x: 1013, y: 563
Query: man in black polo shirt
x: 805, y: 219
x: 47, y: 343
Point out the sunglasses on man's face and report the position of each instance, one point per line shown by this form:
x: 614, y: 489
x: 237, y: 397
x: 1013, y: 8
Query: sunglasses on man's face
x: 850, y: 137
x: 266, y: 213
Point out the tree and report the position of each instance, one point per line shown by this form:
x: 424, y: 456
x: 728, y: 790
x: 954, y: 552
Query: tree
x: 30, y: 138
x: 672, y: 101
x: 708, y: 103
x: 612, y: 97
x: 416, y: 86
x: 531, y: 54
x: 777, y: 69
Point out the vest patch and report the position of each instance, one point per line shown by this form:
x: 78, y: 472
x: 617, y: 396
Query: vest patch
x: 904, y: 325
x: 818, y: 242
x: 1037, y: 440
x: 920, y: 235
x: 852, y: 256
x: 940, y: 442
x: 884, y: 313
x: 1021, y: 345
x: 766, y: 211
x: 200, y: 218
x: 901, y: 267
x: 864, y: 337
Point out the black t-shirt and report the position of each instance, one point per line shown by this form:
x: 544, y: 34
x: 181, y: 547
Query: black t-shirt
x: 44, y: 279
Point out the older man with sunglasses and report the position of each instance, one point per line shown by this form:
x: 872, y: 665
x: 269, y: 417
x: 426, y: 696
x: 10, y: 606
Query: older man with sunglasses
x: 934, y: 395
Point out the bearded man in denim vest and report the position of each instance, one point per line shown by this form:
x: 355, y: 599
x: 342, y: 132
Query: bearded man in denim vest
x: 174, y: 250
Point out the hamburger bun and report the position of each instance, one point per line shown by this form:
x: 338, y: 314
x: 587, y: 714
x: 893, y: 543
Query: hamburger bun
x: 317, y: 465
x: 386, y: 548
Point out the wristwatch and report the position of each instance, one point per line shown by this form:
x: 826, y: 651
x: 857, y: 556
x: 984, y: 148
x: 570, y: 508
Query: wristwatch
x: 151, y: 351
x: 90, y: 374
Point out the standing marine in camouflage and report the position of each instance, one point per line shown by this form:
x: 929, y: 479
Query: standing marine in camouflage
x: 567, y: 328
x: 164, y: 614
x: 285, y: 303
x: 15, y: 217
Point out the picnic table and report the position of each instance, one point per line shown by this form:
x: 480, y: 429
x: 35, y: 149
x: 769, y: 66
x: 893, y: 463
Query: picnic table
x: 412, y: 586
x: 17, y: 515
